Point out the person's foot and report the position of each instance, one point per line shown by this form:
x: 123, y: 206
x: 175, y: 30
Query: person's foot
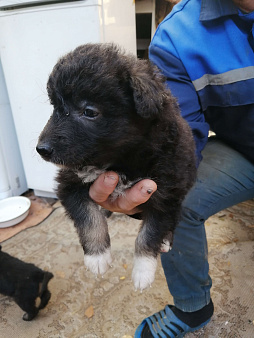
x: 172, y: 322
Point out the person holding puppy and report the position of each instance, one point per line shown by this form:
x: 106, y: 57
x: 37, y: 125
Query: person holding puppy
x: 206, y: 51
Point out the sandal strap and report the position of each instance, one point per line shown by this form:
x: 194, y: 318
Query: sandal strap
x: 165, y: 324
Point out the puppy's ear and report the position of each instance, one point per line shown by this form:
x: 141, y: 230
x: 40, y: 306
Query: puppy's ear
x: 148, y: 89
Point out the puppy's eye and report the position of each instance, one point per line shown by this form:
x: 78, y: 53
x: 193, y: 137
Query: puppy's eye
x: 91, y: 113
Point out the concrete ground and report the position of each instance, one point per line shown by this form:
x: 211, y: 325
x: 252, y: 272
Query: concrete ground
x: 84, y: 307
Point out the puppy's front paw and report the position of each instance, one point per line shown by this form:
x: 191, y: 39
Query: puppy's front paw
x: 29, y: 316
x: 98, y: 264
x: 143, y: 271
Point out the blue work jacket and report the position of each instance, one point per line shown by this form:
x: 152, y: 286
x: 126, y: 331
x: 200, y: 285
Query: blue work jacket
x: 205, y: 48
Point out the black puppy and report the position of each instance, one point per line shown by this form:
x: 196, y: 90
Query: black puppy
x: 24, y: 282
x: 112, y: 111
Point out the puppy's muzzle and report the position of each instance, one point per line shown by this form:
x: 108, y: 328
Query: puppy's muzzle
x: 45, y: 150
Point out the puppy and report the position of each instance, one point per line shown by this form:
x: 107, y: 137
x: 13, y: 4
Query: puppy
x: 24, y: 282
x: 112, y: 111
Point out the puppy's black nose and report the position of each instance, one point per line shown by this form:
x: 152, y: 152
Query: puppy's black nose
x: 44, y: 149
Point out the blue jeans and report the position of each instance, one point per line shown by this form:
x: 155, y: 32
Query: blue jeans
x: 225, y: 178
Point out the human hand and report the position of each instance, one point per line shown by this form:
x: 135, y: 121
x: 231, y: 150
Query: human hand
x: 128, y: 204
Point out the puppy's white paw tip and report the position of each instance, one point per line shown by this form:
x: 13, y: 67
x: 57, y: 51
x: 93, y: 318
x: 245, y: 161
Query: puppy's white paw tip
x: 165, y: 246
x: 143, y: 272
x: 98, y: 264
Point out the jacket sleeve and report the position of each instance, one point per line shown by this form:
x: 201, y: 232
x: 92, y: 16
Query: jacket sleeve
x: 182, y: 88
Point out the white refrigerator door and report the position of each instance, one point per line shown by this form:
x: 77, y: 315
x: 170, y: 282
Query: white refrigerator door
x: 31, y: 41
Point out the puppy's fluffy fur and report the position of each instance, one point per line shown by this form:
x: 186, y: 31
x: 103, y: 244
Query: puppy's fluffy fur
x: 113, y: 112
x: 24, y: 282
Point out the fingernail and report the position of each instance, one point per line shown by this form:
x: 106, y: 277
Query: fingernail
x: 146, y: 190
x: 110, y: 179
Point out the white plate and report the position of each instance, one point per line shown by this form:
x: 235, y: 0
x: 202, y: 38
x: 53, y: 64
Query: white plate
x: 13, y: 210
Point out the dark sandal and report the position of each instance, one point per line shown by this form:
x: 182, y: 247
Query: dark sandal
x: 165, y: 324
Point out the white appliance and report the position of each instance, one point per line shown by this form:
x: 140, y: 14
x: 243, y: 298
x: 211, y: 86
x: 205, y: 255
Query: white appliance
x: 12, y: 176
x: 33, y: 35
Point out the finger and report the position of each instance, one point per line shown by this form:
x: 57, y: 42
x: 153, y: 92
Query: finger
x: 133, y: 197
x: 103, y: 186
x: 138, y: 194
